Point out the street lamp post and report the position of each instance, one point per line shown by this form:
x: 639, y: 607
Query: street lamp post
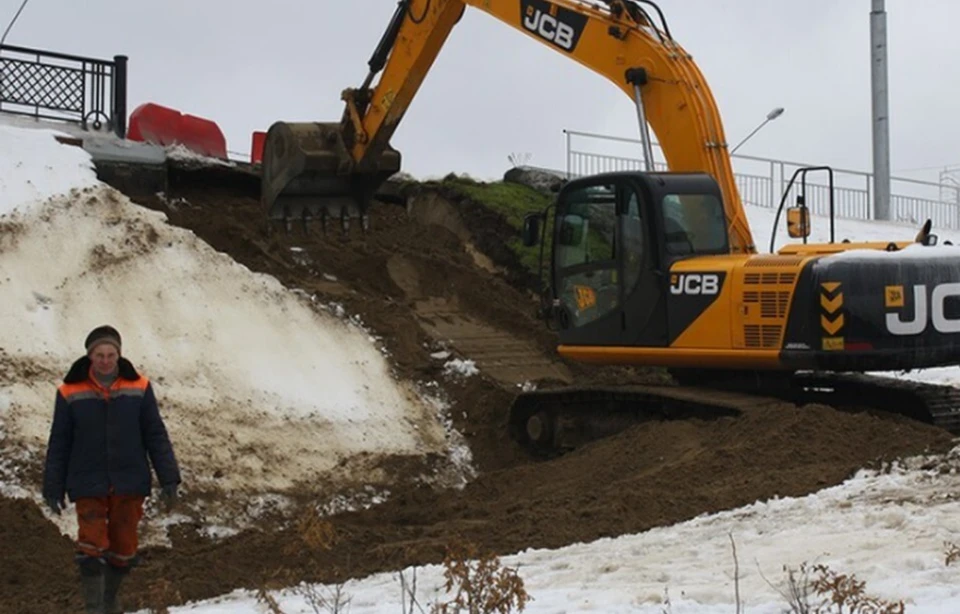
x: 772, y: 115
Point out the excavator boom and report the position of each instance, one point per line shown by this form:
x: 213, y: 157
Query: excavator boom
x: 323, y: 169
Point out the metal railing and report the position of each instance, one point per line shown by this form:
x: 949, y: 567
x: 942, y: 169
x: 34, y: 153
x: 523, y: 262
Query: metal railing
x: 762, y: 181
x: 50, y: 85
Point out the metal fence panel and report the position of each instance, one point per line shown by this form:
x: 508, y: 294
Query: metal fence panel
x: 764, y: 184
x: 51, y: 85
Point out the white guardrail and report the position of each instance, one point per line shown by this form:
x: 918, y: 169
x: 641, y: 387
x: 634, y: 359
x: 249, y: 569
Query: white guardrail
x: 762, y: 181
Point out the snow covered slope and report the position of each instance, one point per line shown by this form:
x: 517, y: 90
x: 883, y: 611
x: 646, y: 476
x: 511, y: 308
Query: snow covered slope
x: 264, y: 391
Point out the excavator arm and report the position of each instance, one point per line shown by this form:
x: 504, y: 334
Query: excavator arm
x: 314, y: 169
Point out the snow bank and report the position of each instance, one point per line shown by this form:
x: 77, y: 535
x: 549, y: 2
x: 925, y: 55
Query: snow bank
x: 258, y: 384
x: 34, y: 167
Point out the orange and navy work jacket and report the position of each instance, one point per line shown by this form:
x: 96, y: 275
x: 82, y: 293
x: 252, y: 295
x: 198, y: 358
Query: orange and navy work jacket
x: 103, y: 440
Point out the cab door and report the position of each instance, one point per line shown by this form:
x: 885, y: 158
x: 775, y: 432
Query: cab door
x: 644, y: 300
x: 604, y: 282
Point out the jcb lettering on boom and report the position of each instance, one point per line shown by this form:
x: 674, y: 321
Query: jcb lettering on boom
x: 560, y: 26
x: 695, y: 283
x: 925, y: 311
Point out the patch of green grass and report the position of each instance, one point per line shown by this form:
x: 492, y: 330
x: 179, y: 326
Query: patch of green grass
x: 530, y: 256
x: 513, y: 201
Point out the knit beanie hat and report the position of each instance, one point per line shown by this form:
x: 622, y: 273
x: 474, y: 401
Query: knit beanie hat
x: 102, y: 334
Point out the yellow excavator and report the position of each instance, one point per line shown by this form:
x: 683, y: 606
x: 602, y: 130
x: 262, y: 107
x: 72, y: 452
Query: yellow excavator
x: 655, y: 268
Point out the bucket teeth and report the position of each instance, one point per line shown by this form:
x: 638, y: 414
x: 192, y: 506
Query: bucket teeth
x: 308, y: 171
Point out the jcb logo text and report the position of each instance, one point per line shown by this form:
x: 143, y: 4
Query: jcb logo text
x: 553, y: 23
x: 695, y: 283
x: 926, y: 311
x: 548, y: 27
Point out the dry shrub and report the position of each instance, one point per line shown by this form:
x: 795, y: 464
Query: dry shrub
x: 322, y: 599
x: 316, y: 533
x: 952, y: 553
x: 313, y: 534
x: 481, y: 584
x: 264, y: 597
x: 408, y: 593
x: 833, y: 593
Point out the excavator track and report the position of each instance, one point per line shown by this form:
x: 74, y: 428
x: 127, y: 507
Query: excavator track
x: 555, y: 421
x: 934, y: 404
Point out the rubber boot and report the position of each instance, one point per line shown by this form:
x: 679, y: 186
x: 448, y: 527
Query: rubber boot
x: 92, y: 581
x: 112, y: 579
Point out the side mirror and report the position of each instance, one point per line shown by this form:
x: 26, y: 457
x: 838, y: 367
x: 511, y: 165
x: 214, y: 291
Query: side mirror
x: 531, y: 229
x: 798, y: 222
x: 931, y: 239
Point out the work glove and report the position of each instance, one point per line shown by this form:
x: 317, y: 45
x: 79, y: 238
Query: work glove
x: 169, y: 496
x: 55, y: 504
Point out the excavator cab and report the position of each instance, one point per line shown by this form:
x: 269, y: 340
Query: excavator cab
x: 615, y: 238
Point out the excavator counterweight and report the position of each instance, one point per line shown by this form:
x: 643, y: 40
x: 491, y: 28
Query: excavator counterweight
x: 309, y: 174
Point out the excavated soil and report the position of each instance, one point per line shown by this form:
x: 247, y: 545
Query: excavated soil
x: 439, y: 277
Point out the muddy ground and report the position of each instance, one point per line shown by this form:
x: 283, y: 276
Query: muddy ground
x: 439, y: 276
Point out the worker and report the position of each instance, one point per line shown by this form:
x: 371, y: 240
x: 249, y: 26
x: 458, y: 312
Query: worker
x: 106, y: 424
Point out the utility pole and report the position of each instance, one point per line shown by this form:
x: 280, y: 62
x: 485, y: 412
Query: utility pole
x: 881, y: 112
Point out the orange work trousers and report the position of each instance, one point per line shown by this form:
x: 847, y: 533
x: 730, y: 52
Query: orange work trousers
x: 108, y: 527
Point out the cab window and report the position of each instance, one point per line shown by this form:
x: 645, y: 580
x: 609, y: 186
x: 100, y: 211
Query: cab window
x: 586, y: 258
x: 587, y: 227
x: 694, y: 224
x: 633, y: 244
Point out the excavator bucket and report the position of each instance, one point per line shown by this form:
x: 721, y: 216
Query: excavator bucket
x: 308, y: 173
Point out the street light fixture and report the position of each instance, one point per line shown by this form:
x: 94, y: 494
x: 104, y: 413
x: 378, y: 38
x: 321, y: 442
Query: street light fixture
x: 772, y: 115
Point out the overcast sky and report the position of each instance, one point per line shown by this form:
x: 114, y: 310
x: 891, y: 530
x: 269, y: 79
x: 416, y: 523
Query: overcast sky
x: 493, y: 91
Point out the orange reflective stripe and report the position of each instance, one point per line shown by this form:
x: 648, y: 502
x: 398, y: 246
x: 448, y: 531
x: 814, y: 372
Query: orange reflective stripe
x: 119, y: 557
x: 78, y: 391
x: 89, y: 386
x: 70, y: 389
x: 123, y: 384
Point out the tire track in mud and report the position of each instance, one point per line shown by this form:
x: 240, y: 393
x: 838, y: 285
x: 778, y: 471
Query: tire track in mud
x: 505, y: 357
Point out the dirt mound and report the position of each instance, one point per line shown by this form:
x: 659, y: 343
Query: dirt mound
x: 416, y: 280
x: 426, y: 286
x: 36, y: 571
